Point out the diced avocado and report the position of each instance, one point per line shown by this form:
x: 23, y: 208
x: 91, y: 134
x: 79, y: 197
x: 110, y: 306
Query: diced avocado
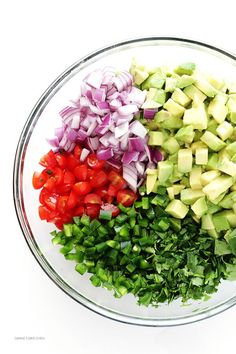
x: 207, y: 222
x: 212, y: 208
x: 156, y: 138
x: 200, y: 207
x: 194, y: 93
x: 219, y: 185
x: 209, y: 176
x: 185, y: 182
x: 197, y: 145
x: 217, y: 110
x: 176, y: 176
x: 233, y: 188
x: 173, y: 158
x: 171, y: 145
x: 185, y: 69
x: 178, y: 188
x: 170, y: 192
x: 155, y: 187
x: 140, y: 76
x: 150, y: 182
x: 212, y: 141
x: 231, y: 105
x: 185, y: 134
x: 204, y: 86
x: 177, y: 209
x: 228, y: 201
x: 227, y: 167
x: 156, y: 80
x: 201, y: 156
x: 171, y: 123
x: 170, y: 84
x: 218, y: 84
x: 196, y: 116
x: 180, y: 97
x: 162, y: 116
x: 151, y: 171
x: 184, y: 81
x: 234, y: 207
x: 220, y: 222
x: 221, y: 248
x: 213, y: 233
x: 151, y: 104
x: 194, y: 177
x: 190, y: 196
x: 232, y: 117
x: 223, y: 155
x: 231, y: 237
x: 231, y: 87
x: 160, y: 96
x: 185, y: 160
x: 217, y: 200
x: 212, y: 126
x: 233, y: 158
x: 231, y: 148
x: 212, y: 162
x: 225, y: 130
x: 165, y: 169
x: 174, y: 108
x: 197, y: 136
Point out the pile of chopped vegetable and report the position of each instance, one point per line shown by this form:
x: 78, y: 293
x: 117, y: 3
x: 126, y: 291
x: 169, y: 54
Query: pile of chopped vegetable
x: 141, y: 182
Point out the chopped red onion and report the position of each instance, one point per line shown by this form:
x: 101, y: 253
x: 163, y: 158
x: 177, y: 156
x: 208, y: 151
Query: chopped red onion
x: 137, y: 144
x: 105, y: 154
x: 149, y: 113
x: 129, y: 157
x: 84, y: 154
x: 138, y: 129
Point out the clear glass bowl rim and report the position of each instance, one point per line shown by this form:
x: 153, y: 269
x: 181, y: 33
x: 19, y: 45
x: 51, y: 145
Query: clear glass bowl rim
x: 18, y: 194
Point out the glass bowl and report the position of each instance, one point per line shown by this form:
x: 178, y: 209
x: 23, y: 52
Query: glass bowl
x: 32, y: 145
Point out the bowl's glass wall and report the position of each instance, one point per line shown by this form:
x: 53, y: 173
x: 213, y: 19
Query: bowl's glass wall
x: 33, y: 145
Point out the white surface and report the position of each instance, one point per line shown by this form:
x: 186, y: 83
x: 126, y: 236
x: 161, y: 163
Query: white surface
x: 39, y: 39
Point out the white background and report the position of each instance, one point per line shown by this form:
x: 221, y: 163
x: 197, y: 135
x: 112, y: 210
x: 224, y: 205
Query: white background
x: 39, y: 40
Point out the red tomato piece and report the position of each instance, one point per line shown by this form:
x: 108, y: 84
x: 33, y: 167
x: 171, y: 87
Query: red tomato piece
x: 61, y: 203
x: 92, y: 198
x: 64, y: 188
x: 126, y: 197
x: 111, y: 207
x: 44, y: 212
x: 112, y: 190
x: 61, y: 160
x: 39, y: 179
x: 50, y: 184
x: 81, y: 172
x: 48, y: 160
x: 82, y: 188
x: 91, y: 173
x: 72, y: 200
x: 93, y: 210
x: 68, y: 178
x: 79, y: 211
x: 93, y: 162
x: 117, y: 180
x: 77, y: 151
x: 99, y: 179
x: 72, y: 162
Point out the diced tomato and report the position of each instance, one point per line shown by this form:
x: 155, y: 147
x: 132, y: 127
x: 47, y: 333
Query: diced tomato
x: 102, y: 192
x: 111, y: 207
x: 50, y: 184
x: 112, y: 190
x: 92, y: 198
x: 77, y: 152
x: 64, y: 188
x: 61, y: 203
x: 93, y: 162
x: 126, y: 197
x: 58, y: 174
x: 48, y: 199
x: 72, y: 200
x: 72, y: 162
x: 81, y: 172
x: 44, y: 212
x: 92, y: 210
x: 117, y: 180
x: 82, y: 188
x: 61, y: 160
x: 48, y: 160
x: 91, y: 173
x: 39, y: 179
x: 79, y: 211
x: 68, y: 178
x: 99, y: 179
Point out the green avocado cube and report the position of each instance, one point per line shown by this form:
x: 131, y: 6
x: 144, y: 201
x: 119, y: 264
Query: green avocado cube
x: 174, y: 108
x: 156, y: 138
x: 170, y: 84
x: 204, y: 86
x: 171, y: 145
x: 201, y: 156
x: 180, y: 97
x: 195, y: 177
x: 177, y: 209
x: 207, y: 222
x: 218, y: 186
x: 165, y: 169
x: 185, y: 134
x: 156, y: 80
x: 212, y: 141
x: 196, y: 116
x: 195, y: 94
x: 185, y: 69
x: 190, y: 196
x: 185, y: 160
x: 184, y: 81
x: 200, y: 207
x: 220, y: 222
